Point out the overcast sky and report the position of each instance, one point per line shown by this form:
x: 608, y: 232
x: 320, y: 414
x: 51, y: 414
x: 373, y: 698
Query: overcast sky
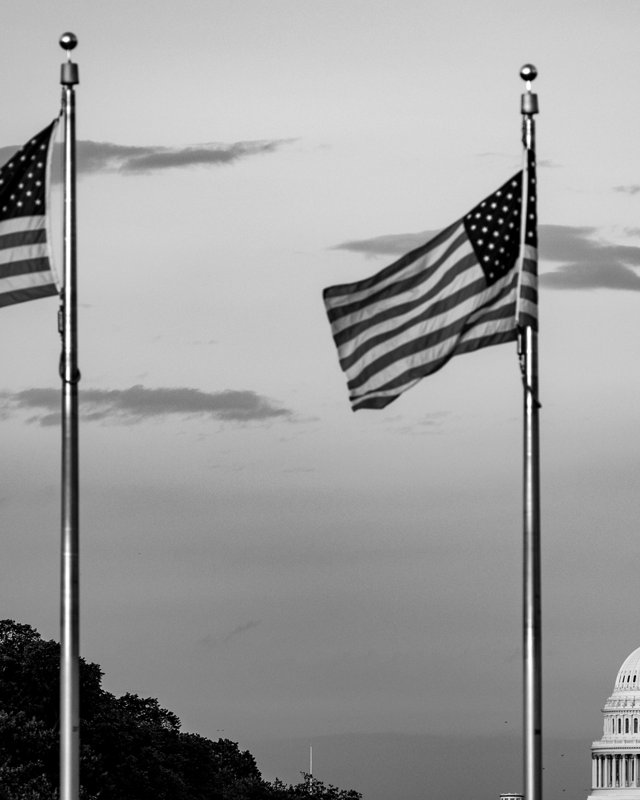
x: 261, y: 559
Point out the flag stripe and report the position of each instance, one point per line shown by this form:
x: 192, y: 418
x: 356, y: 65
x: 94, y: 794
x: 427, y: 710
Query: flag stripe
x: 430, y: 318
x: 528, y: 311
x: 381, y: 397
x: 430, y: 341
x: 17, y: 224
x: 421, y: 274
x: 359, y: 319
x: 24, y: 267
x: 407, y: 263
x: 496, y: 331
x: 469, y: 284
x: 20, y: 238
x: 23, y: 255
x: 26, y: 287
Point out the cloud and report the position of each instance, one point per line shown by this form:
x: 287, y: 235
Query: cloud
x: 632, y: 188
x: 428, y: 424
x: 97, y: 155
x: 589, y: 263
x: 211, y: 641
x: 138, y: 403
x: 129, y: 159
x: 586, y: 261
x: 390, y: 244
x: 592, y: 276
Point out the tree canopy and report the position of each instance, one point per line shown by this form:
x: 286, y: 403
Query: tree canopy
x: 130, y: 747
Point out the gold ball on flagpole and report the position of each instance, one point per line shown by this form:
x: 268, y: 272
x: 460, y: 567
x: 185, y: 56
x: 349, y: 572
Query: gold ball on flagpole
x: 528, y: 72
x: 68, y: 41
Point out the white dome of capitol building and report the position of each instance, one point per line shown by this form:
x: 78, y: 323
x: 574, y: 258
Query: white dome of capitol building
x: 615, y: 759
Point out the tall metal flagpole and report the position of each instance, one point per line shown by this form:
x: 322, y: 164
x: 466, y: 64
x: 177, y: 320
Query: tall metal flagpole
x: 69, y: 374
x: 528, y: 349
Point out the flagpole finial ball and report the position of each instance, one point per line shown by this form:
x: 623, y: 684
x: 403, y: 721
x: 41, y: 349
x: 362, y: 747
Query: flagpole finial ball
x: 68, y: 41
x: 528, y: 72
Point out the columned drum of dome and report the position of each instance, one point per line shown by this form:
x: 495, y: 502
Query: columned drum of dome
x: 615, y: 759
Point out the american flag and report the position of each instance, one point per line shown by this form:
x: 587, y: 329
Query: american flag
x: 454, y: 294
x: 25, y: 269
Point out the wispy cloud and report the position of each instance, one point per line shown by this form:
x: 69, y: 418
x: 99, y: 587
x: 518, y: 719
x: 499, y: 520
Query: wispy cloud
x: 429, y: 424
x: 387, y: 245
x: 95, y: 156
x: 139, y: 403
x: 130, y: 159
x: 210, y: 641
x: 592, y: 276
x: 587, y: 262
x: 632, y: 188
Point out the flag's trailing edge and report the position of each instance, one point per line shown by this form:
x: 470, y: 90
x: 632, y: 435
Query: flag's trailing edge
x: 454, y: 294
x: 25, y: 263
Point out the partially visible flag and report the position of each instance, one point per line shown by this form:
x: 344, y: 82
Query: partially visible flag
x: 454, y: 294
x: 25, y: 268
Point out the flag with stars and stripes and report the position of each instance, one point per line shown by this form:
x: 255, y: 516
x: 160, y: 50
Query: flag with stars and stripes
x: 25, y: 267
x: 471, y: 286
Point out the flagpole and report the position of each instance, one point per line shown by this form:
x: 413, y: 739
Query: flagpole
x: 70, y: 375
x: 528, y: 351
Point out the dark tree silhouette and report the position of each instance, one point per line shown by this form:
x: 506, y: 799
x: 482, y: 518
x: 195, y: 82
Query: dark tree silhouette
x: 131, y: 748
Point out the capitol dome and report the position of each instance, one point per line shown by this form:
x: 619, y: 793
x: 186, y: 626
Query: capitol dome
x: 629, y: 673
x: 615, y: 758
